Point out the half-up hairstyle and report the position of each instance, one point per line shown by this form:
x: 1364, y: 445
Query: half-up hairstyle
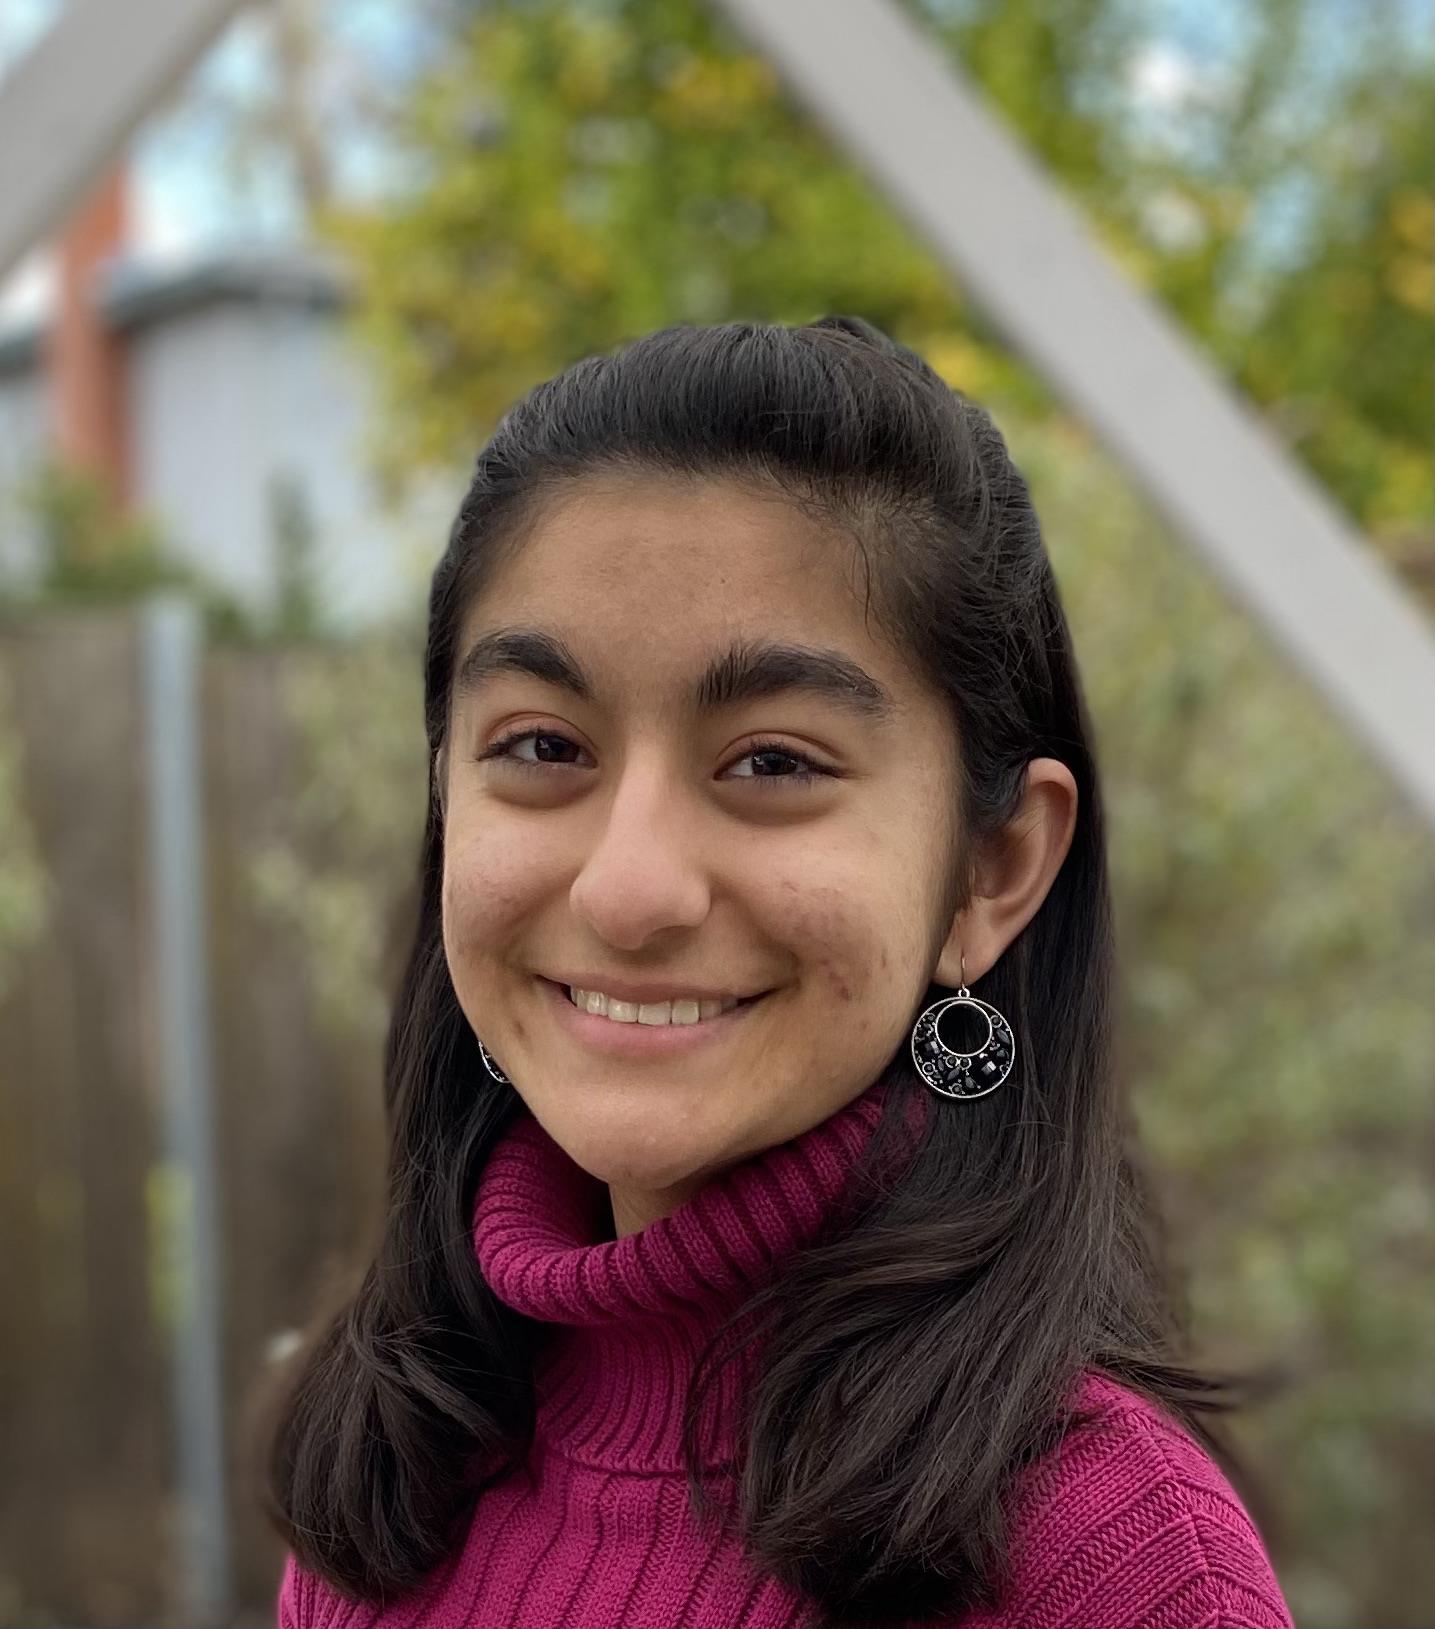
x: 1014, y: 1249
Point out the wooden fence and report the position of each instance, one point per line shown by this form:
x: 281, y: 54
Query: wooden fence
x: 89, y: 1528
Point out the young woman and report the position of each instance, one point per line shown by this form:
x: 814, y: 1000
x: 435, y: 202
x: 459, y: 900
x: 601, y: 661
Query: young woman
x: 764, y: 1245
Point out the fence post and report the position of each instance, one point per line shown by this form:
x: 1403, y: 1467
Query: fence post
x: 172, y: 646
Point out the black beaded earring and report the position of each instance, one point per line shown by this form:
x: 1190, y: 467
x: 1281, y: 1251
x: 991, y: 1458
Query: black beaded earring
x: 963, y: 1074
x: 492, y: 1067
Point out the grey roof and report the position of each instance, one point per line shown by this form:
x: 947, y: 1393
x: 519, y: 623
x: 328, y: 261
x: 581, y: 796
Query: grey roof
x: 133, y: 293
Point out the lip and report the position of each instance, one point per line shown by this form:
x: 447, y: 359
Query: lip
x: 641, y: 1040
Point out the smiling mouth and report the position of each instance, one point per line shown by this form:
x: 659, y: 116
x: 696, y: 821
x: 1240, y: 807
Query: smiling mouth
x: 744, y: 1001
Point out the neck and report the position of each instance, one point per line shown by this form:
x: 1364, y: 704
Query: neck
x: 634, y: 1208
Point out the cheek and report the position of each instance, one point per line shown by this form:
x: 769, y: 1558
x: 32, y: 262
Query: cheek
x: 487, y: 887
x: 849, y: 941
x: 860, y: 942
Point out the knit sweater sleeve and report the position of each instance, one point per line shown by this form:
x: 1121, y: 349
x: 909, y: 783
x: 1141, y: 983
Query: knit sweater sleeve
x: 1130, y: 1524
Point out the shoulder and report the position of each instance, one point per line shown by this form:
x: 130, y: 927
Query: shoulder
x: 1130, y: 1523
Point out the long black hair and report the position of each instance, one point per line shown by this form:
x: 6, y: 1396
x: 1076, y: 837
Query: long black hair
x: 1016, y: 1248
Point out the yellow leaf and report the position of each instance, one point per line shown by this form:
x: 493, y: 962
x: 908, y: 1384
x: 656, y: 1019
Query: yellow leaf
x: 1412, y: 282
x: 1412, y: 213
x: 961, y: 363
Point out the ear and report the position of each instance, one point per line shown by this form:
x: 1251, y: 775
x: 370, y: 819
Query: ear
x: 1014, y: 873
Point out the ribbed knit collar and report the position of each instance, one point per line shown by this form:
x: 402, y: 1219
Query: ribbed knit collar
x: 631, y: 1315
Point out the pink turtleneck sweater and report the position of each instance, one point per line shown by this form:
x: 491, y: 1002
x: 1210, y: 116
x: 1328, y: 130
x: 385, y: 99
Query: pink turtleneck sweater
x: 1128, y: 1523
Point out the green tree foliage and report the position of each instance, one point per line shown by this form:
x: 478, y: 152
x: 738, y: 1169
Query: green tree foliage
x: 589, y: 171
x: 94, y: 552
x: 91, y: 552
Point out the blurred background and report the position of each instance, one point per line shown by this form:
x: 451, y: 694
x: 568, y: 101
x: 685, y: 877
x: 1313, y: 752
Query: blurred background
x: 241, y: 384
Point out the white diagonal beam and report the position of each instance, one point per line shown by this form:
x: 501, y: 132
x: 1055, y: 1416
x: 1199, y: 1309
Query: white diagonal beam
x: 890, y: 95
x: 68, y: 106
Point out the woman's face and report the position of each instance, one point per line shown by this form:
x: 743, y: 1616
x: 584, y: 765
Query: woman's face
x: 643, y: 838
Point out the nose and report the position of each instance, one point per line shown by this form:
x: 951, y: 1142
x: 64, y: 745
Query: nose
x: 644, y: 871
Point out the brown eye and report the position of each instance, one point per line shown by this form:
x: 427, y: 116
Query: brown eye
x: 770, y: 751
x: 499, y: 749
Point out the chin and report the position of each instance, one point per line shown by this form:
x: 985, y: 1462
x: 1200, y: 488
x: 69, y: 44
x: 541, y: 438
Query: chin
x: 628, y: 1142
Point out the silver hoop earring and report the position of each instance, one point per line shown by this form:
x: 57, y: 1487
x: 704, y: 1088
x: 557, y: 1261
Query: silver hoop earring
x: 963, y: 1074
x: 491, y: 1066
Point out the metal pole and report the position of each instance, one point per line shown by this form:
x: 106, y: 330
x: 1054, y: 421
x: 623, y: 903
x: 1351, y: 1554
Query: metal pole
x: 172, y: 641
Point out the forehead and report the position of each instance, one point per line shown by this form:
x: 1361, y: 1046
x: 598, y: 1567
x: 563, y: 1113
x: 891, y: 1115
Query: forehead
x: 646, y: 578
x: 602, y: 524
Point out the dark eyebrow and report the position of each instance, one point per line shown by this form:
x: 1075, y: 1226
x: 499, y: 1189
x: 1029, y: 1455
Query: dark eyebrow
x: 746, y: 672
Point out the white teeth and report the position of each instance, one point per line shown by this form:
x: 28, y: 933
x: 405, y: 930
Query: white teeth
x: 648, y: 1012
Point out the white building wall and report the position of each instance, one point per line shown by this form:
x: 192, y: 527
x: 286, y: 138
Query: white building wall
x: 197, y: 444
x: 226, y: 399
x: 232, y: 398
